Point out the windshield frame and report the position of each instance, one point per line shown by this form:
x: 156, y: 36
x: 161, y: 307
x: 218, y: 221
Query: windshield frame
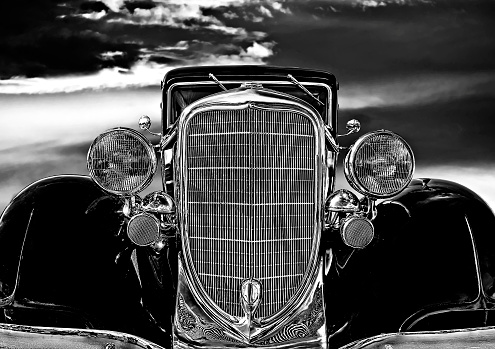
x: 169, y: 115
x: 233, y: 76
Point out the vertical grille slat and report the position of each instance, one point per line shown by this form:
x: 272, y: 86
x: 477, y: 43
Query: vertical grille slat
x: 250, y: 199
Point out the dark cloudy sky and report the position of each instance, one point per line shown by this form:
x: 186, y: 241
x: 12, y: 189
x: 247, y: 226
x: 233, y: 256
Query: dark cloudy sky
x: 422, y: 68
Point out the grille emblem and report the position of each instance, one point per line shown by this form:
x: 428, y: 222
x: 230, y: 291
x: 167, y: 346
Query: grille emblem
x: 250, y: 296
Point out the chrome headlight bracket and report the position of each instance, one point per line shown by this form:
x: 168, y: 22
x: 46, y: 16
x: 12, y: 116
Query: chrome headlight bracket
x: 152, y: 220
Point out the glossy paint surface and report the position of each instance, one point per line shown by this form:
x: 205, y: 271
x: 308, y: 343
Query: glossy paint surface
x: 430, y: 266
x: 430, y: 258
x: 77, y: 267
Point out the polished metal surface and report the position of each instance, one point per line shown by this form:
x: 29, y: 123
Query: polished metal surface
x: 121, y: 161
x: 342, y: 200
x: 474, y: 338
x: 368, y: 207
x: 145, y: 124
x: 379, y: 164
x: 302, y: 327
x: 251, y: 179
x: 251, y: 176
x: 211, y: 76
x: 357, y: 232
x: 331, y: 140
x: 132, y: 205
x: 250, y: 296
x: 251, y: 84
x: 30, y: 337
x: 169, y: 137
x: 158, y: 202
x: 352, y: 126
x: 143, y: 229
x: 298, y: 84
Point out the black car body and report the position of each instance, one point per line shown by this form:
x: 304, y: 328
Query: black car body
x: 248, y: 244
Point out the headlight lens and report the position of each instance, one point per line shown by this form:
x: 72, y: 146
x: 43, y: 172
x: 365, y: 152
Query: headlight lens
x: 380, y: 164
x: 121, y: 161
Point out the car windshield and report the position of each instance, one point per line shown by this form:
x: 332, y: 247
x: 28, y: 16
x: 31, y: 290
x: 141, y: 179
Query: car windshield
x: 183, y: 95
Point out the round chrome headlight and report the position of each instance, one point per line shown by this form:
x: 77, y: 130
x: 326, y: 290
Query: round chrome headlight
x: 380, y: 164
x: 121, y: 161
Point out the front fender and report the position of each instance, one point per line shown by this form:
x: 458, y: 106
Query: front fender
x: 55, y: 198
x: 69, y: 262
x: 432, y: 255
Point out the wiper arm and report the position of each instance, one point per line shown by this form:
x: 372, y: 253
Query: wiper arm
x: 298, y: 84
x: 216, y: 80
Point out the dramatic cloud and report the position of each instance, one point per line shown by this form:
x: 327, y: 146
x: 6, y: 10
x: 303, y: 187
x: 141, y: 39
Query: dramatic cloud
x: 75, y: 37
x: 141, y: 74
x: 147, y: 72
x: 264, y: 11
x: 422, y: 68
x: 114, y: 5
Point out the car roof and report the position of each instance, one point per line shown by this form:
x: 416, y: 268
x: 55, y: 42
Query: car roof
x: 246, y: 72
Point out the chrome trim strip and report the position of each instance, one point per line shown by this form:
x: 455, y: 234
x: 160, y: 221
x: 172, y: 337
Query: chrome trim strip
x: 90, y: 337
x: 481, y: 292
x: 168, y: 137
x: 477, y: 337
x: 331, y: 140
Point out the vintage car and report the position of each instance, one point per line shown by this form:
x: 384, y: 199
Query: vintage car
x: 248, y: 244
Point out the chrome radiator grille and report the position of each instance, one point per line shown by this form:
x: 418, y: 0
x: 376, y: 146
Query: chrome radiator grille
x: 250, y: 199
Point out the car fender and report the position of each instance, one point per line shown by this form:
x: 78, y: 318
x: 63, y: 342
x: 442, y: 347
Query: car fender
x: 432, y: 255
x: 70, y: 263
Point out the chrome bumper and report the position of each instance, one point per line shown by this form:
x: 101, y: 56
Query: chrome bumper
x: 30, y: 337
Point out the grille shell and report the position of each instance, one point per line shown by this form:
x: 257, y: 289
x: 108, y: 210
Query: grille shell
x: 243, y: 247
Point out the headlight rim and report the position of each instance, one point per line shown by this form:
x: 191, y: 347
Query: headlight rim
x: 150, y: 151
x: 351, y: 175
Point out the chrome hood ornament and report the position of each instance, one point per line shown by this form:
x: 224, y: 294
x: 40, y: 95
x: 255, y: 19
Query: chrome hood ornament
x: 250, y: 300
x: 250, y: 296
